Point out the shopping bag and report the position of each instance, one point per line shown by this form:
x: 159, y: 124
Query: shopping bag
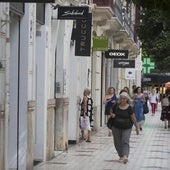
x: 84, y: 122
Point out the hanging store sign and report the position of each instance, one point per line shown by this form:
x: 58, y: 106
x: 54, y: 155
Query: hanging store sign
x: 83, y: 37
x: 31, y: 1
x: 124, y: 64
x: 157, y: 78
x: 100, y: 43
x: 72, y: 12
x: 130, y: 74
x: 116, y: 54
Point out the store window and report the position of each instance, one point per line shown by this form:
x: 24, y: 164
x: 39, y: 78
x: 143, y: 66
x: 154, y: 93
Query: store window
x: 40, y: 13
x: 17, y: 8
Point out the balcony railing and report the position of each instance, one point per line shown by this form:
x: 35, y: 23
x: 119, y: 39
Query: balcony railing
x: 115, y: 7
x: 118, y: 10
x: 104, y: 3
x: 120, y: 13
x: 127, y: 23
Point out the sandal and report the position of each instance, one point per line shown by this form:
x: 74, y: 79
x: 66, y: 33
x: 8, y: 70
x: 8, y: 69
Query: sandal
x: 125, y: 159
x: 88, y: 140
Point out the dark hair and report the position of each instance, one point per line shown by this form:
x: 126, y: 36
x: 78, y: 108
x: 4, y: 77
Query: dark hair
x: 127, y: 89
x: 136, y: 90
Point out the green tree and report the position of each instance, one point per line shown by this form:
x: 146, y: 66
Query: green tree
x: 154, y: 31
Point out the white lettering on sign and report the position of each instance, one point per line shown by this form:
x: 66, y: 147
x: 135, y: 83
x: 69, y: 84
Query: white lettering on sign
x: 73, y: 12
x: 146, y: 79
x: 124, y: 63
x: 116, y: 54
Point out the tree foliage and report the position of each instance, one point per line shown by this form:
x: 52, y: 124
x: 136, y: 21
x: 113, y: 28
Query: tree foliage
x: 163, y: 5
x: 154, y: 31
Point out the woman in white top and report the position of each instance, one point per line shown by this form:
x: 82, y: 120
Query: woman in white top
x: 153, y: 101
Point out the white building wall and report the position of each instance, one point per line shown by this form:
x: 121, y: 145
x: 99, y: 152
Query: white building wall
x: 59, y: 59
x: 78, y: 82
x: 50, y: 52
x: 21, y: 52
x: 13, y: 94
x: 31, y: 52
x: 41, y: 93
x: 138, y: 70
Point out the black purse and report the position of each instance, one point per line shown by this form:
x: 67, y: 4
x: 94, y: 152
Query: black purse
x: 110, y: 122
x: 145, y: 108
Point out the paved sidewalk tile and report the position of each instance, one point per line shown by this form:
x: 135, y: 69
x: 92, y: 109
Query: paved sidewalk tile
x: 148, y: 151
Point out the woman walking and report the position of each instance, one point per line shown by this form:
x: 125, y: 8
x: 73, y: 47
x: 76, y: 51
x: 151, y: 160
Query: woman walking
x: 164, y: 113
x: 153, y: 101
x: 124, y: 118
x: 139, y: 101
x: 109, y: 101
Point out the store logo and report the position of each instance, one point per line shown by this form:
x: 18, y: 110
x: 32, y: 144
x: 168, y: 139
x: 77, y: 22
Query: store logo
x: 72, y: 13
x: 116, y: 54
x: 83, y: 37
x: 124, y: 63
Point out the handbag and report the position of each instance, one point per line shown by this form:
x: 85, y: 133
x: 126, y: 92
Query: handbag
x: 110, y: 122
x: 84, y: 122
x: 145, y: 109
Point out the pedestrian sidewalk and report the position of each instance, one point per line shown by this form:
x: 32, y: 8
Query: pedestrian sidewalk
x: 150, y: 150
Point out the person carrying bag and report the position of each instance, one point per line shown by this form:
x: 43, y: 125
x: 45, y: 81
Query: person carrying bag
x: 123, y: 119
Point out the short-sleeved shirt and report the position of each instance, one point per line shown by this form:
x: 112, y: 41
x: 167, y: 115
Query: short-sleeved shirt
x: 123, y: 117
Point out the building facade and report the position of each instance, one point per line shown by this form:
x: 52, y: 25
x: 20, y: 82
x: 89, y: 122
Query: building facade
x: 42, y: 79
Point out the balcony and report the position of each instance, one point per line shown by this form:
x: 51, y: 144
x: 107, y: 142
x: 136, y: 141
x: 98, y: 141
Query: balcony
x: 104, y: 3
x: 114, y: 20
x: 116, y: 7
x: 108, y: 15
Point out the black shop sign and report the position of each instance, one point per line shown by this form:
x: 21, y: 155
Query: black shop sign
x: 112, y: 53
x: 124, y: 63
x: 72, y: 12
x: 83, y: 36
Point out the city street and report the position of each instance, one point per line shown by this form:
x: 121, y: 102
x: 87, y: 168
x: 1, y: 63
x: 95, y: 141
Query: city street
x: 149, y: 151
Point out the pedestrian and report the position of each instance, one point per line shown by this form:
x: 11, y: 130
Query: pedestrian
x: 128, y: 92
x: 153, y: 101
x: 123, y: 120
x: 109, y: 101
x: 139, y: 101
x: 157, y: 97
x: 168, y: 95
x: 164, y: 113
x: 146, y: 96
x: 133, y: 90
x: 85, y: 115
